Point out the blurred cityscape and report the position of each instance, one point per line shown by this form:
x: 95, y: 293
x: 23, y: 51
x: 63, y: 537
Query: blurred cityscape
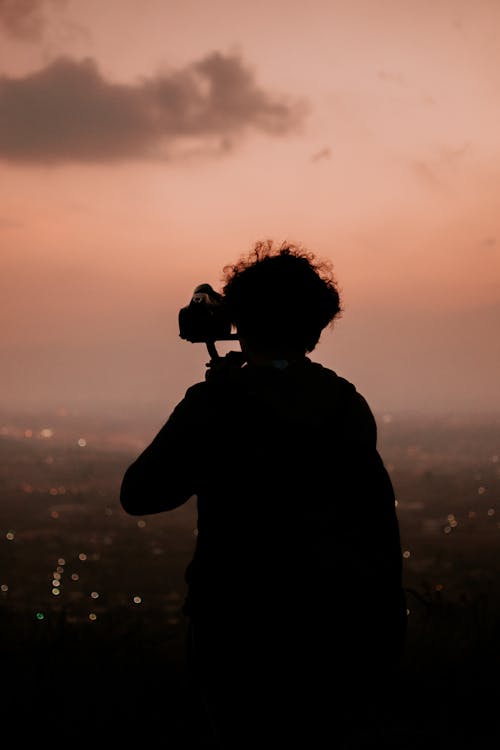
x: 91, y: 598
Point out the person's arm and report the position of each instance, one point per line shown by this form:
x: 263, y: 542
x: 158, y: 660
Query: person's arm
x: 165, y: 474
x: 378, y: 543
x: 374, y: 496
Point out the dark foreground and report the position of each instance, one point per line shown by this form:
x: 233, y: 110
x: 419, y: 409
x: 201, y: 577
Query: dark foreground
x: 102, y: 661
x: 124, y: 681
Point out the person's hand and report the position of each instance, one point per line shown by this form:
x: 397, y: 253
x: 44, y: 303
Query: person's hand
x: 225, y: 367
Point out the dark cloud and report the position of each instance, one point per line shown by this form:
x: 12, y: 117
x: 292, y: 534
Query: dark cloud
x: 23, y: 19
x: 69, y: 112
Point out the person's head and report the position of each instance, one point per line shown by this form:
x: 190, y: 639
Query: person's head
x: 281, y: 298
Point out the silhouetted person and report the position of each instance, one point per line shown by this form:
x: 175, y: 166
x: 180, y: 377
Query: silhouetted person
x: 295, y: 600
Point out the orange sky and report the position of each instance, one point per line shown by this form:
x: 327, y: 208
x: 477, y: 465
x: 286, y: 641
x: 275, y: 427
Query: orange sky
x: 145, y: 144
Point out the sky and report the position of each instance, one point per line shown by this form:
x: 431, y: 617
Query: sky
x: 146, y: 144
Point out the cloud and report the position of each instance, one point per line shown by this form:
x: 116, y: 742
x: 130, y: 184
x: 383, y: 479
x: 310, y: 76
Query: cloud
x: 68, y: 111
x: 452, y: 156
x: 324, y: 153
x: 488, y: 243
x: 391, y: 77
x: 24, y: 19
x: 441, y: 169
x: 6, y: 223
x: 427, y: 174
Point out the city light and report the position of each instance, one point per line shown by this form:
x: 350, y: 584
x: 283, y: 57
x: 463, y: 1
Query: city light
x: 118, y: 559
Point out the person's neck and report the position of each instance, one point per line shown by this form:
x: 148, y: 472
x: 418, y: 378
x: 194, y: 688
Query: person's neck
x: 280, y: 360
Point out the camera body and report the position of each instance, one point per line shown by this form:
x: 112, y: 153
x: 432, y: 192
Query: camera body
x: 205, y: 319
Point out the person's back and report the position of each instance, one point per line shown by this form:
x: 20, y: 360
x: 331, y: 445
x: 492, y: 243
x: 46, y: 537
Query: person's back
x: 294, y: 591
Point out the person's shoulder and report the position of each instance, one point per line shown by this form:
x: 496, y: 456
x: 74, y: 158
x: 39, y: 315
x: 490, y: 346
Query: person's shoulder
x: 194, y: 396
x: 196, y: 390
x: 198, y: 394
x: 331, y: 379
x: 211, y: 389
x: 356, y: 408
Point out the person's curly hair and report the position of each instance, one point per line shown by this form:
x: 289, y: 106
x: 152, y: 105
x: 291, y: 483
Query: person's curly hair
x: 281, y: 298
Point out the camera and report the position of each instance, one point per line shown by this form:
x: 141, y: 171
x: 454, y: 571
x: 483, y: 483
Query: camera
x: 205, y: 319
